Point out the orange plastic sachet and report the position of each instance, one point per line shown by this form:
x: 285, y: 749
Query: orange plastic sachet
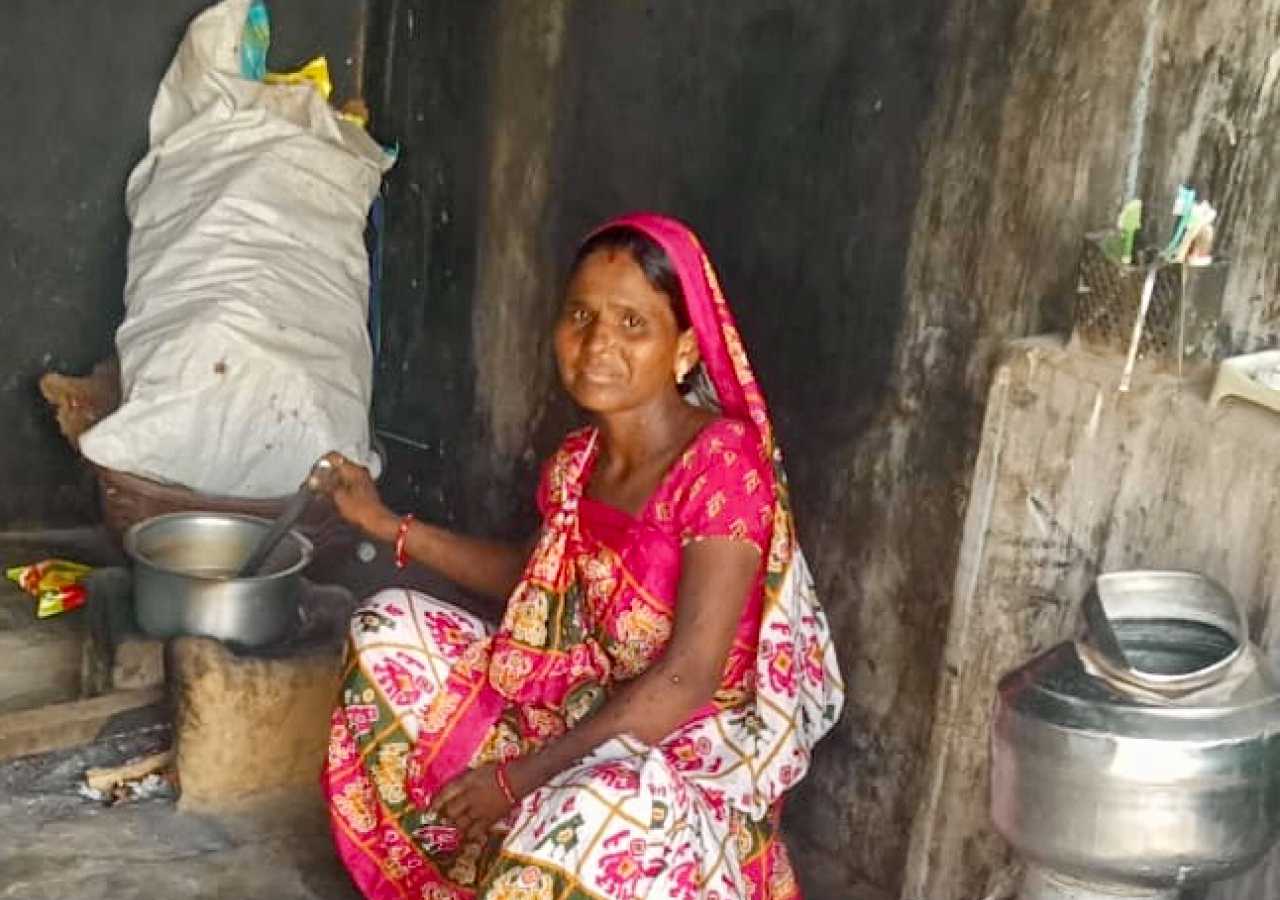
x: 55, y: 583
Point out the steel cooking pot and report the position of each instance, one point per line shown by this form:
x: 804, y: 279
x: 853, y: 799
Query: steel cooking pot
x: 184, y: 584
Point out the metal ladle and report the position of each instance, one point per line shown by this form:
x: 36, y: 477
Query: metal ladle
x: 317, y: 480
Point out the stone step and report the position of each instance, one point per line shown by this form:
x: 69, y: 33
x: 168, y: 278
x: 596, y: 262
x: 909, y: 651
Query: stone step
x: 63, y: 726
x: 40, y: 659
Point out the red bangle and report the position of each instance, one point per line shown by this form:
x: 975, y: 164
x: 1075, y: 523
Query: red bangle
x: 500, y: 773
x: 402, y: 535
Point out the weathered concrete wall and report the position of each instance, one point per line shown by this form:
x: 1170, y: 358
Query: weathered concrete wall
x: 594, y: 109
x: 1041, y: 108
x: 1074, y: 478
x: 80, y: 76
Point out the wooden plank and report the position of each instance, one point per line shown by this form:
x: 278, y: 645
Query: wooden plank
x: 105, y: 779
x: 65, y: 725
x: 39, y: 658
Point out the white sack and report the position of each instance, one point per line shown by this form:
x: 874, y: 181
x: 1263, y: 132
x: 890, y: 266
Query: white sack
x: 244, y: 352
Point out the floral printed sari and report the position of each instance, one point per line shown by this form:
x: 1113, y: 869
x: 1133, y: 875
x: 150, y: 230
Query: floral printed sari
x: 430, y: 691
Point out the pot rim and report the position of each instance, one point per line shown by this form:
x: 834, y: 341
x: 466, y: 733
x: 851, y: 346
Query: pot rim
x: 136, y: 532
x: 1121, y: 587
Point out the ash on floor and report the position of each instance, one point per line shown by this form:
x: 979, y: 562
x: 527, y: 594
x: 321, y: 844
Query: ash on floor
x: 65, y: 848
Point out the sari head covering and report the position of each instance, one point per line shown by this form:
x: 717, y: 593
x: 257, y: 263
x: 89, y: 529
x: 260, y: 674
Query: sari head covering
x: 799, y: 690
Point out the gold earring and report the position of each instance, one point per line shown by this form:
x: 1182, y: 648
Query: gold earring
x: 681, y: 373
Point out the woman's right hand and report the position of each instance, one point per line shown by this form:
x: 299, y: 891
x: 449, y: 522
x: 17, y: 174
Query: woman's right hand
x: 492, y: 568
x: 355, y: 496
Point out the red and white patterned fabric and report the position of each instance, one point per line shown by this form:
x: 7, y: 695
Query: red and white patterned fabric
x: 430, y: 692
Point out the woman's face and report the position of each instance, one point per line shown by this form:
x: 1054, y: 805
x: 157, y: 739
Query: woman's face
x: 617, y: 342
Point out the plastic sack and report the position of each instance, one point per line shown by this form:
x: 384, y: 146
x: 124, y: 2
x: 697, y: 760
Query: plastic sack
x: 244, y: 353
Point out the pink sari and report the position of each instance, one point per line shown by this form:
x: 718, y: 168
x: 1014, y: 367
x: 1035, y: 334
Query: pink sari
x: 429, y: 692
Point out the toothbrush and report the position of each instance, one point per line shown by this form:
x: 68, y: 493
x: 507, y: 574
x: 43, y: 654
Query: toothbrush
x: 1183, y: 206
x: 1200, y: 224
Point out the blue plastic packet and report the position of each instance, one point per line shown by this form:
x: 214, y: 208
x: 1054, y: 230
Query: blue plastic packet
x: 254, y: 41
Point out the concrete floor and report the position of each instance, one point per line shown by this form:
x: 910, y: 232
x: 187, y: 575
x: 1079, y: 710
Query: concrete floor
x: 56, y: 844
x: 51, y: 849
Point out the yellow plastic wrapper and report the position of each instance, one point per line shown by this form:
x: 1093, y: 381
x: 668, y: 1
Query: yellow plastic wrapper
x: 315, y: 73
x: 55, y: 583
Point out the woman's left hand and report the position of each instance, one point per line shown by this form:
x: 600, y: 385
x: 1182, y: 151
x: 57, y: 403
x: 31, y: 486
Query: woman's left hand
x: 473, y: 802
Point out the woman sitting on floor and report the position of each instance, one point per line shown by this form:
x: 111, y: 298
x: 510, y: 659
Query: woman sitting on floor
x: 662, y: 670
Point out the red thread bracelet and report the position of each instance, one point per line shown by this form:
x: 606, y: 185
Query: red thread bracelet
x: 500, y: 774
x: 402, y: 535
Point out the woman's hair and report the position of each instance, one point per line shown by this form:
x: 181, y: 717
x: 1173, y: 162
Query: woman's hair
x: 648, y: 255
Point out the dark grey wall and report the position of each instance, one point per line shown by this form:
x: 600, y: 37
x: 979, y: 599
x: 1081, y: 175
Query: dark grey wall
x: 428, y: 60
x: 79, y: 79
x: 785, y: 132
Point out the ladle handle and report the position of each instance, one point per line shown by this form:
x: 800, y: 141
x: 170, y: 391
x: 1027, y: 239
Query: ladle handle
x: 279, y: 528
x: 318, y: 480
